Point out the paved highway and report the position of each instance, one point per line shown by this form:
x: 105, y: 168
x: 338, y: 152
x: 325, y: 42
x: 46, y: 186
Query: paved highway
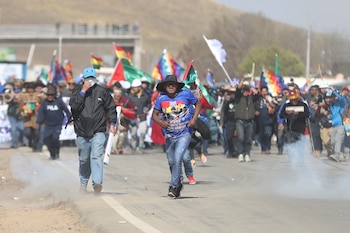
x: 267, y: 195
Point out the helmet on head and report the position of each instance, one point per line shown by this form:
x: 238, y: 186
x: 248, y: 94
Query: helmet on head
x: 144, y: 80
x: 136, y: 83
x: 293, y: 95
x: 89, y: 72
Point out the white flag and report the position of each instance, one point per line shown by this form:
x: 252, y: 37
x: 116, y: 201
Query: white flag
x: 215, y: 47
x: 108, y: 148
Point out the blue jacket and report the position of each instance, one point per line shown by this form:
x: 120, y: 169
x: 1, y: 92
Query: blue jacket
x: 51, y: 112
x: 337, y: 109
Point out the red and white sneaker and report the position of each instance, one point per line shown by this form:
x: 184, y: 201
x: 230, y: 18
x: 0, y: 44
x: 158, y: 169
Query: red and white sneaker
x: 191, y: 180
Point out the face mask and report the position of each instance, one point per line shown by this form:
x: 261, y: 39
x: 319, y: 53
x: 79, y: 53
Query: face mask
x: 91, y: 80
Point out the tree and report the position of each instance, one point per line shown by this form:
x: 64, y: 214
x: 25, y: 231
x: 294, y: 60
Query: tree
x: 289, y: 63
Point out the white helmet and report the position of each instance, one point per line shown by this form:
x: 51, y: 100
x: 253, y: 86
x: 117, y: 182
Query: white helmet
x: 136, y: 83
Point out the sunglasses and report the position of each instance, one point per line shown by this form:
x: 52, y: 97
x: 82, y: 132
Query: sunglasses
x: 50, y: 95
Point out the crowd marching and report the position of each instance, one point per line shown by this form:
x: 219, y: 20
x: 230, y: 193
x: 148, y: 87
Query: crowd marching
x: 171, y: 114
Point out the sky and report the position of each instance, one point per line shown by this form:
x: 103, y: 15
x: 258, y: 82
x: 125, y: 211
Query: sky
x: 320, y: 15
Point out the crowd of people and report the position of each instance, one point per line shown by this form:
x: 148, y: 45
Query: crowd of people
x: 238, y: 117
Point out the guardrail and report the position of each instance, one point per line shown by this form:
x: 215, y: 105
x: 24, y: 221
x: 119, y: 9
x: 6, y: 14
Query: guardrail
x: 68, y: 29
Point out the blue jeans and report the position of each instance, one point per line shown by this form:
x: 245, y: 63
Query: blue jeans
x: 244, y: 136
x: 16, y: 130
x: 41, y: 137
x: 187, y: 163
x: 175, y: 150
x: 91, y: 158
x: 224, y: 140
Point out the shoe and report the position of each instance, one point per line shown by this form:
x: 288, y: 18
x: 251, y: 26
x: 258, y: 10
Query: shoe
x: 178, y: 190
x: 240, y: 158
x: 342, y: 157
x: 247, y: 158
x: 203, y: 158
x: 334, y: 158
x: 139, y: 150
x: 83, y: 189
x: 97, y: 188
x: 193, y: 163
x: 317, y: 153
x: 280, y: 152
x: 120, y: 151
x: 172, y: 192
x: 191, y: 180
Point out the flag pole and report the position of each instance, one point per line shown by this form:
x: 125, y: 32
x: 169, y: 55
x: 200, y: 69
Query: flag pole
x: 227, y: 75
x: 319, y: 70
x: 253, y: 71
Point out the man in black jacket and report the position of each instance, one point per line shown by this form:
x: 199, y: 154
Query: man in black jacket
x: 92, y: 108
x: 295, y: 113
x: 228, y: 122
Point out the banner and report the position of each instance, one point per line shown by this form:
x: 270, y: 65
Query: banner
x: 5, y: 130
x: 67, y: 133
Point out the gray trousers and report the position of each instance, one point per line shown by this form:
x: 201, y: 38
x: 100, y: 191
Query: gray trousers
x: 337, y: 138
x: 138, y: 134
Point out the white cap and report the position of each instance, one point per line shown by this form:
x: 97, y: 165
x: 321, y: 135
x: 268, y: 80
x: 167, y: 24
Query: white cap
x: 136, y: 83
x: 246, y: 83
x: 144, y: 79
x: 125, y: 84
x: 323, y: 85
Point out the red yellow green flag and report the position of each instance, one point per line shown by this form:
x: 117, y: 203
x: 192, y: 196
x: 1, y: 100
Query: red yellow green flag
x: 96, y: 62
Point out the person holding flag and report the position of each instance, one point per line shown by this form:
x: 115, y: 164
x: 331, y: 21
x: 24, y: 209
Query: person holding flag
x: 177, y: 122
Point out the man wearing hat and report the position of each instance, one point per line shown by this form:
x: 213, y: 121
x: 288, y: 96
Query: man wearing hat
x: 91, y: 105
x: 142, y: 101
x: 324, y: 118
x: 178, y: 117
x: 337, y: 105
x: 30, y: 103
x: 51, y: 113
x: 146, y: 86
x: 245, y: 98
x: 295, y: 113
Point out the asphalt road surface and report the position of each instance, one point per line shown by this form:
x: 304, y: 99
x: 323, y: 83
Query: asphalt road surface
x: 268, y: 195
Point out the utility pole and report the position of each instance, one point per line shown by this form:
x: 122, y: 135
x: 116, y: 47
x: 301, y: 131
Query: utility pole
x: 308, y: 54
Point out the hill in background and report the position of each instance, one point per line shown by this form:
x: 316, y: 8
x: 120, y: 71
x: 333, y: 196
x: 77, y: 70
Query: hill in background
x: 163, y: 24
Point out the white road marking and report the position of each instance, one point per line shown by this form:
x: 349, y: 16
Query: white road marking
x: 143, y: 226
x: 115, y: 205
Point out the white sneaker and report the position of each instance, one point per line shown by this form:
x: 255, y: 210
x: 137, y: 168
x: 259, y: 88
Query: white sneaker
x: 240, y: 158
x: 334, y: 158
x: 342, y: 157
x: 247, y: 158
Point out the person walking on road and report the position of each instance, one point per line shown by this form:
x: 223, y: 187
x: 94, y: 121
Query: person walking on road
x: 139, y: 128
x: 92, y: 108
x: 295, y: 113
x: 175, y: 103
x: 51, y: 114
x: 244, y: 112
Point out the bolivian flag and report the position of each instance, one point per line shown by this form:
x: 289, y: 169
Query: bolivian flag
x: 96, y: 62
